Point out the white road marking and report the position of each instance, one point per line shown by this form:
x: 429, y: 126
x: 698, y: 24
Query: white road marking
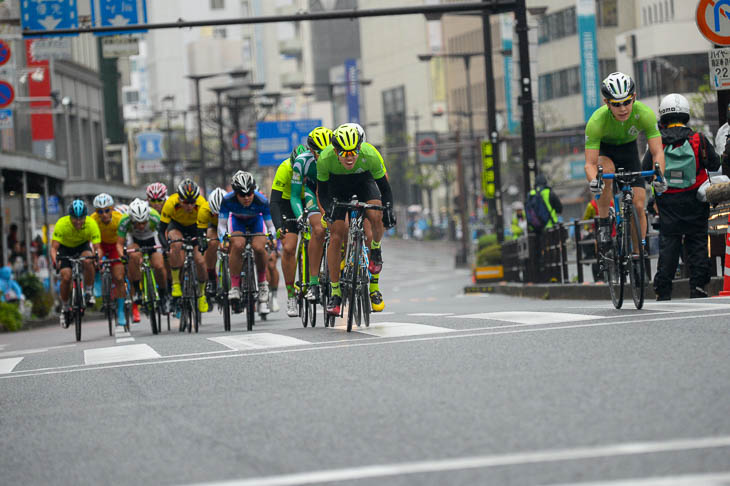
x: 716, y: 479
x: 348, y: 343
x: 125, y: 340
x: 432, y: 314
x: 116, y: 354
x: 482, y: 462
x: 261, y: 340
x: 398, y: 329
x: 684, y: 306
x: 35, y: 350
x: 121, y: 334
x: 529, y: 317
x: 7, y: 365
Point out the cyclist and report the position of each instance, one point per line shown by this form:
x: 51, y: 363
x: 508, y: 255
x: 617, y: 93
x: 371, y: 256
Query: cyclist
x: 344, y: 168
x: 207, y: 235
x: 139, y: 229
x: 108, y: 221
x: 71, y: 237
x: 248, y: 211
x: 179, y: 219
x: 304, y: 180
x: 156, y: 195
x: 286, y: 230
x: 121, y: 209
x: 611, y: 143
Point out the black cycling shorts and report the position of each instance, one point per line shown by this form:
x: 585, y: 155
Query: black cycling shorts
x: 624, y: 156
x: 187, y: 231
x: 71, y: 252
x: 149, y: 242
x: 343, y: 187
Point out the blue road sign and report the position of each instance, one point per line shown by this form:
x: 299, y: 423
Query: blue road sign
x: 48, y: 15
x: 276, y: 140
x: 149, y: 146
x: 7, y: 94
x: 107, y: 13
x: 4, y: 52
x: 241, y: 141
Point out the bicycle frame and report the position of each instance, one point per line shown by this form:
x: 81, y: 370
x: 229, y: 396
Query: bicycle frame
x: 190, y: 315
x: 150, y: 295
x: 249, y: 282
x: 78, y: 303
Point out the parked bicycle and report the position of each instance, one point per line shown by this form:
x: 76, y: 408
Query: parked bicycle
x: 78, y: 303
x: 151, y: 303
x: 625, y: 256
x: 190, y: 316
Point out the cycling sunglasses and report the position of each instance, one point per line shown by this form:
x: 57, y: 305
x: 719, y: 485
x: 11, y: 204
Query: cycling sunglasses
x: 245, y: 194
x: 617, y: 104
x: 104, y: 211
x: 348, y: 153
x: 156, y: 200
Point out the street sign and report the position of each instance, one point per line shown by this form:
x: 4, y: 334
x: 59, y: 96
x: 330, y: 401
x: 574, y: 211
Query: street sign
x: 426, y: 146
x: 719, y: 68
x: 241, y: 141
x: 149, y: 146
x: 713, y: 21
x: 488, y: 187
x: 276, y: 140
x: 106, y: 13
x: 48, y: 15
x: 7, y: 94
x: 150, y: 167
x: 120, y: 46
x: 6, y: 119
x: 56, y: 48
x: 5, y: 52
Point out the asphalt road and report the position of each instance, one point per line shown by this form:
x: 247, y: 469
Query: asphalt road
x: 442, y: 388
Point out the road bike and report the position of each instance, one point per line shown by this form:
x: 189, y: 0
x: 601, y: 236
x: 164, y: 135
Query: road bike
x: 355, y: 280
x: 151, y: 304
x: 190, y: 316
x: 78, y: 303
x: 224, y: 284
x: 625, y: 255
x: 249, y: 286
x: 307, y: 309
x: 108, y: 304
x: 324, y: 278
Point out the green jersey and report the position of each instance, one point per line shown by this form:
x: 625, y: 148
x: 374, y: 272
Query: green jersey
x: 303, y: 179
x: 369, y: 160
x: 126, y: 227
x: 603, y: 127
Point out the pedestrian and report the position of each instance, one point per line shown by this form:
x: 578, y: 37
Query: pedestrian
x: 10, y: 291
x: 519, y: 223
x: 552, y: 201
x: 683, y: 216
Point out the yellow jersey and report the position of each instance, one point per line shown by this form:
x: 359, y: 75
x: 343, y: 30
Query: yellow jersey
x: 109, y: 230
x: 65, y: 233
x: 173, y: 211
x: 206, y: 217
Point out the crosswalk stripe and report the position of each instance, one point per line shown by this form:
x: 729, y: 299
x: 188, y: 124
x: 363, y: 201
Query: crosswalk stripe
x: 116, y: 354
x: 684, y: 306
x: 529, y: 317
x: 397, y: 329
x: 432, y: 314
x: 7, y: 365
x: 125, y: 340
x: 261, y: 340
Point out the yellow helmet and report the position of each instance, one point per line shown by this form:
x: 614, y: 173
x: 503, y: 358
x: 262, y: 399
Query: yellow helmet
x: 346, y: 137
x: 319, y: 138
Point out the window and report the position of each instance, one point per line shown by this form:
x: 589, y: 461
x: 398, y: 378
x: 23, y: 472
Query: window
x: 557, y: 25
x: 559, y: 84
x: 670, y: 74
x: 607, y: 13
x: 606, y: 67
x: 217, y: 4
x: 219, y: 33
x: 131, y: 97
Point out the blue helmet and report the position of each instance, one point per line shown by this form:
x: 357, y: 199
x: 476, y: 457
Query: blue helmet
x: 77, y: 209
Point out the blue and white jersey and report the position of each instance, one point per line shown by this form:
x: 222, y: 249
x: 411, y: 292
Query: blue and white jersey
x: 231, y: 208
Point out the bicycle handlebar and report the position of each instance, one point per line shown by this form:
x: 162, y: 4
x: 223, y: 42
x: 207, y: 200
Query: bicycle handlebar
x: 623, y: 176
x: 357, y: 205
x: 141, y: 249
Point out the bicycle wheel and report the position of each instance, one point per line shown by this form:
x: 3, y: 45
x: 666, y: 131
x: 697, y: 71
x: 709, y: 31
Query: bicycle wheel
x: 77, y: 306
x: 224, y: 286
x: 324, y: 287
x: 365, y: 299
x: 613, y: 275
x: 635, y: 256
x: 197, y: 315
x: 107, y: 301
x: 149, y: 292
x: 250, y: 293
x: 353, y: 257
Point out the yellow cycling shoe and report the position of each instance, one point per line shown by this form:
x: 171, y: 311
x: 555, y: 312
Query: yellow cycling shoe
x: 176, y: 289
x: 376, y: 301
x: 202, y: 304
x: 342, y: 264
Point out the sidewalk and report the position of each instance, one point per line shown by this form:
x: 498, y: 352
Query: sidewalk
x: 585, y: 291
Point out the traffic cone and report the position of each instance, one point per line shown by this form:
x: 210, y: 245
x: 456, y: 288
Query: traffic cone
x: 725, y: 292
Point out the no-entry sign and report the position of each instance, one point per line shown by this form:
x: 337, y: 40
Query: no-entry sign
x: 5, y: 52
x: 7, y: 94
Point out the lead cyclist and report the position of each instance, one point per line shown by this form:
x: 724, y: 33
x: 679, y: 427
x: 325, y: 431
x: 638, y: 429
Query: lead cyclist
x: 611, y: 134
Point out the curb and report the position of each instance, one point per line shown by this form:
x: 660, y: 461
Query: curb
x: 586, y: 291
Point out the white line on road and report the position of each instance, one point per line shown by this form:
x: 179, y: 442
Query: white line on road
x: 432, y: 314
x: 7, y: 365
x: 482, y: 462
x: 261, y: 340
x: 116, y: 354
x: 398, y: 329
x: 348, y: 343
x: 531, y: 317
x: 716, y: 479
x: 125, y: 340
x: 34, y: 351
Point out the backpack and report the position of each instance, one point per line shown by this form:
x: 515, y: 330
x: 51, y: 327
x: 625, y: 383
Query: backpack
x: 681, y: 166
x: 537, y: 212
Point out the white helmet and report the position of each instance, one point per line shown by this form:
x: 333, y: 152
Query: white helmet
x: 122, y: 208
x: 243, y: 181
x: 103, y: 200
x: 139, y: 211
x: 617, y: 86
x: 674, y: 104
x: 359, y: 130
x: 215, y: 199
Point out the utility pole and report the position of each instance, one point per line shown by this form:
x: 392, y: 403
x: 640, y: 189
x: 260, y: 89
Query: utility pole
x: 529, y: 156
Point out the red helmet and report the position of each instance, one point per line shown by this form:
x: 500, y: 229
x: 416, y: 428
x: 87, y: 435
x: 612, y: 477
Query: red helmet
x: 157, y: 190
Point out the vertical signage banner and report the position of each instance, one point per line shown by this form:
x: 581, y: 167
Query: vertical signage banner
x: 586, y: 15
x: 507, y: 26
x: 352, y: 80
x: 41, y: 123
